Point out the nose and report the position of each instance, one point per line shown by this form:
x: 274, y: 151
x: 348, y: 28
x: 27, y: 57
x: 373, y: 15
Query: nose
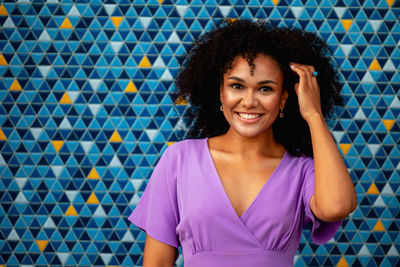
x: 249, y: 99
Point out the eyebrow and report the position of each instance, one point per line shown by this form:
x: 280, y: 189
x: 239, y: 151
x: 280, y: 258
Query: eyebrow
x: 241, y: 80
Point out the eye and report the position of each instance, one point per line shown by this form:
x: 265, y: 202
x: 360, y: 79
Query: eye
x: 266, y: 89
x: 236, y: 86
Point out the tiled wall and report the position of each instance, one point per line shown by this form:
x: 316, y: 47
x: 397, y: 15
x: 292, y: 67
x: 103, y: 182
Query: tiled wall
x: 87, y: 106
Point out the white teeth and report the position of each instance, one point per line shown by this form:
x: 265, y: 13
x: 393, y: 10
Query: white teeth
x: 249, y: 116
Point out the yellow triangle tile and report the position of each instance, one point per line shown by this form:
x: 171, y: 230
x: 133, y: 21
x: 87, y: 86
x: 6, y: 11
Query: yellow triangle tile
x: 15, y: 86
x: 57, y: 145
x: 2, y: 135
x: 66, y: 24
x: 388, y: 124
x: 375, y: 65
x: 180, y: 101
x: 41, y: 244
x: 231, y: 20
x: 160, y: 1
x: 275, y: 2
x: 345, y: 148
x: 347, y: 23
x: 71, y: 211
x: 115, y: 137
x: 92, y: 199
x: 3, y: 10
x: 131, y: 88
x: 93, y: 174
x: 342, y: 263
x: 3, y: 61
x: 116, y: 21
x: 145, y: 63
x: 390, y: 2
x: 379, y: 226
x: 372, y: 190
x: 170, y: 143
x: 65, y: 99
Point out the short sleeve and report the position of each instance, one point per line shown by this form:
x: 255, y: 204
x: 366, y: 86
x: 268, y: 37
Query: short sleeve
x: 321, y: 231
x: 157, y: 211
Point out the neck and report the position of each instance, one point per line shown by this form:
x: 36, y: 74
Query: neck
x: 262, y: 145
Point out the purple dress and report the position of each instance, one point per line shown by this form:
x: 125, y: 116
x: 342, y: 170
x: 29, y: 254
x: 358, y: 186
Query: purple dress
x: 184, y: 204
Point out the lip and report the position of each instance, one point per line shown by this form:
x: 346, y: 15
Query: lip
x: 249, y: 120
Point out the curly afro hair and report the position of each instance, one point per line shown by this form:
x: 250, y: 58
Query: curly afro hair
x: 204, y: 65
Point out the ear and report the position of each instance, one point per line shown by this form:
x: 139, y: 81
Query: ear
x: 284, y: 98
x: 220, y: 92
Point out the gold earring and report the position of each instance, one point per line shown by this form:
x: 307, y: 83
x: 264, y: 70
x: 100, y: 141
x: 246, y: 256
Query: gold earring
x: 281, y: 113
x: 221, y: 108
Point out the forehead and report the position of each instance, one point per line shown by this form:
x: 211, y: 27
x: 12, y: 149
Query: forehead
x: 261, y: 66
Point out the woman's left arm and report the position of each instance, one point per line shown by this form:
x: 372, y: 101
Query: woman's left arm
x: 334, y: 193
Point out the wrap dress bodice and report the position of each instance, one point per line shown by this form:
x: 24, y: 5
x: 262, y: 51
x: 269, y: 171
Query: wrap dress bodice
x: 185, y: 204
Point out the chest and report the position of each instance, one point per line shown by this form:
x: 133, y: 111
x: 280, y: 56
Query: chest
x: 242, y: 180
x: 210, y: 215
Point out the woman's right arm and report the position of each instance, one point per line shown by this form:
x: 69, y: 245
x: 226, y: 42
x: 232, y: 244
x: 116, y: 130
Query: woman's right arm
x: 158, y: 254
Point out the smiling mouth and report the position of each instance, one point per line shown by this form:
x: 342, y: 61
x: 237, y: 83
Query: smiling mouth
x: 249, y: 116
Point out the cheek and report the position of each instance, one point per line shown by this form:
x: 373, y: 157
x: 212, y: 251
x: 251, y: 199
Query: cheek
x: 272, y: 102
x: 229, y: 97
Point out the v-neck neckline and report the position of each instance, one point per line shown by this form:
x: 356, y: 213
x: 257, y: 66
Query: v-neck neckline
x: 221, y: 186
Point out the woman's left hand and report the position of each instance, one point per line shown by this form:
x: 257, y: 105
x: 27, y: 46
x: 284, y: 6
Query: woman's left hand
x: 307, y: 91
x: 334, y: 193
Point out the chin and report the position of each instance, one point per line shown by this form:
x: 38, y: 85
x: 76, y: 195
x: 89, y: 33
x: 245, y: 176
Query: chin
x: 249, y: 133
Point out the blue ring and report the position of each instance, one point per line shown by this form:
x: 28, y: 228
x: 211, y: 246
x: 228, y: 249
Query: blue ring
x: 314, y: 74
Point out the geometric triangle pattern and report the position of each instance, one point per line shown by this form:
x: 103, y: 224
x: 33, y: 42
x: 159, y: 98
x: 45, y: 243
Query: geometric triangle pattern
x: 88, y: 104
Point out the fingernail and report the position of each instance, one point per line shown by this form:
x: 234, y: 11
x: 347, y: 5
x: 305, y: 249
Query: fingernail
x: 292, y: 66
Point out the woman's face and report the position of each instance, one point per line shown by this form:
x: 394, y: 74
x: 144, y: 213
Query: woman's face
x: 251, y: 101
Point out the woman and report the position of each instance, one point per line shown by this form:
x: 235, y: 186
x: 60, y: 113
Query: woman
x: 265, y: 162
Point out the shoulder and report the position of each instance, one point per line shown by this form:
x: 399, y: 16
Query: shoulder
x: 185, y: 146
x: 302, y: 165
x: 177, y: 156
x: 183, y: 150
x: 300, y: 160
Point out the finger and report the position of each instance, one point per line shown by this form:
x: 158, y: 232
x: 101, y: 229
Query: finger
x: 309, y: 67
x: 308, y: 70
x: 313, y: 81
x: 313, y: 78
x: 305, y: 68
x: 304, y: 79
